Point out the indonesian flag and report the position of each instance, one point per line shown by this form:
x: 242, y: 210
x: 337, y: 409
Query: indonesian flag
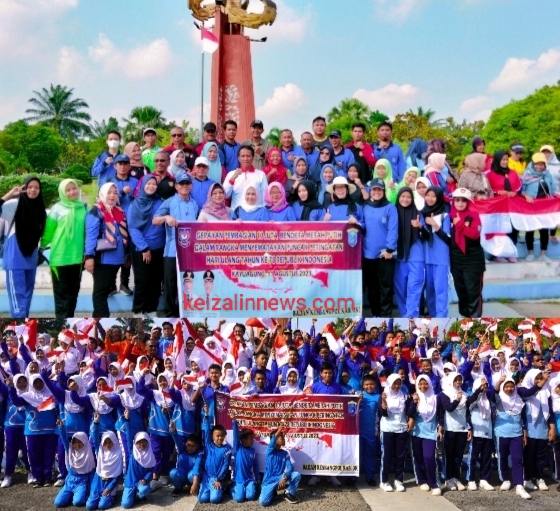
x: 209, y: 41
x: 486, y: 321
x: 434, y: 332
x: 11, y: 327
x: 48, y: 404
x: 537, y: 343
x: 207, y: 358
x: 281, y: 349
x: 27, y: 330
x: 179, y: 347
x: 191, y: 332
x: 547, y: 332
x: 466, y: 324
x: 335, y: 342
x: 512, y: 334
x: 531, y: 320
x: 235, y: 386
x: 125, y: 383
x: 454, y: 336
x: 267, y: 323
x: 224, y: 342
x: 553, y: 324
x: 54, y: 354
x: 525, y: 325
x: 493, y: 326
x: 374, y: 352
x: 83, y: 339
x: 66, y: 336
x: 361, y: 350
x: 105, y: 389
x: 84, y: 325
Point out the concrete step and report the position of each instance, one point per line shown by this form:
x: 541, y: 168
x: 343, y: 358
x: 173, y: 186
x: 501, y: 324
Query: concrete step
x: 521, y: 270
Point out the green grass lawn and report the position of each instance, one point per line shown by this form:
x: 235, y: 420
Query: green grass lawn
x: 89, y: 193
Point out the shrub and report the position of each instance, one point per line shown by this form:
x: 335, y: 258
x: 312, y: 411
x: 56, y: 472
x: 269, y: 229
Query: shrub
x: 79, y: 172
x: 49, y: 185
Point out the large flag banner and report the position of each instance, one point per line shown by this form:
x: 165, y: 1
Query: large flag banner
x: 322, y: 432
x: 287, y: 269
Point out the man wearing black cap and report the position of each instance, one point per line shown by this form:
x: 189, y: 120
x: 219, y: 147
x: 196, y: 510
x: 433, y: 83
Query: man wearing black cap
x: 259, y: 144
x: 208, y: 135
x: 343, y: 157
x: 150, y: 148
x: 124, y: 182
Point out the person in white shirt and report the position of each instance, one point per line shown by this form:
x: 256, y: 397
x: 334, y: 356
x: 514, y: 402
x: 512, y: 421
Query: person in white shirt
x: 246, y: 175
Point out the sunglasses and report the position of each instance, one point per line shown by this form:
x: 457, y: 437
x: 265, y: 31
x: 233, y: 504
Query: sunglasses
x: 160, y: 161
x: 175, y: 135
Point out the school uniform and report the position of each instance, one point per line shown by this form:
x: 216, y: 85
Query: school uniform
x: 369, y: 443
x: 140, y: 468
x: 246, y: 470
x: 260, y: 214
x: 482, y: 444
x: 125, y: 198
x: 184, y: 413
x: 285, y: 215
x: 188, y: 465
x: 315, y: 215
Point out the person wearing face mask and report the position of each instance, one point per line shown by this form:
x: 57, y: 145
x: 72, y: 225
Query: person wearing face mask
x: 103, y: 168
x: 106, y: 247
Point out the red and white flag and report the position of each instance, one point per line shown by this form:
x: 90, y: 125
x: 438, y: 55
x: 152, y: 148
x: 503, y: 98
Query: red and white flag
x: 267, y: 323
x: 492, y: 327
x: 191, y: 331
x: 210, y: 42
x: 466, y: 324
x: 512, y: 334
x: 547, y: 332
x: 84, y: 325
x: 486, y: 321
x: 454, y: 336
x: 105, y: 389
x: 125, y: 383
x: 178, y: 351
x: 281, y: 350
x: 207, y: 358
x: 27, y: 330
x: 525, y: 325
x: 335, y: 342
x: 48, y: 404
x: 434, y: 332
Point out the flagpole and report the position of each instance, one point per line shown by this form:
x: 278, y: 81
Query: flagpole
x: 202, y: 93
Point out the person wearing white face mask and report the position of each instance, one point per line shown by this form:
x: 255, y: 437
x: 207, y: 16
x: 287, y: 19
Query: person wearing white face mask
x: 103, y: 168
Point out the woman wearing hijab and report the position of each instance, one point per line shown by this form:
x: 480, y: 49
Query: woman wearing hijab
x: 355, y: 170
x: 139, y: 471
x: 300, y: 173
x: 342, y: 207
x: 80, y: 465
x: 326, y: 157
x: 379, y: 244
x: 435, y: 231
x: 146, y: 250
x: 23, y: 211
x: 65, y: 235
x: 410, y: 263
x: 108, y: 469
x: 553, y: 166
x: 434, y: 172
x: 216, y: 171
x: 416, y: 154
x: 437, y: 145
x: 420, y: 188
x: 278, y: 208
x: 328, y: 173
x: 423, y: 411
x: 384, y: 170
x: 106, y: 247
x: 215, y: 209
x: 306, y: 207
x: 409, y: 179
x: 473, y: 177
x: 274, y: 168
x: 467, y: 257
x: 137, y: 167
x: 251, y: 208
x: 292, y: 383
x: 177, y: 163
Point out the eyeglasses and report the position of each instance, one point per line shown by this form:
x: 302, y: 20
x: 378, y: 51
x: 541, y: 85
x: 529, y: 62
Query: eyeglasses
x: 175, y: 135
x: 160, y: 161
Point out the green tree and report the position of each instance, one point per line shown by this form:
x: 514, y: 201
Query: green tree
x: 57, y: 108
x: 51, y: 326
x: 376, y: 118
x: 273, y: 136
x: 350, y: 107
x: 142, y: 117
x: 344, y: 125
x: 100, y: 129
x: 123, y: 323
x: 533, y: 121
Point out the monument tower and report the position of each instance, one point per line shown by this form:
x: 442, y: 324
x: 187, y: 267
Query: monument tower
x: 232, y: 95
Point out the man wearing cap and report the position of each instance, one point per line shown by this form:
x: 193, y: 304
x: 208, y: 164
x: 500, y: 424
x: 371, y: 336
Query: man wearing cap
x: 124, y: 182
x: 150, y: 148
x: 166, y: 183
x: 259, y: 144
x: 201, y: 181
x: 516, y: 161
x: 178, y: 143
x: 103, y: 168
x: 343, y: 157
x: 386, y: 148
x: 289, y: 151
x: 208, y: 135
x: 178, y: 208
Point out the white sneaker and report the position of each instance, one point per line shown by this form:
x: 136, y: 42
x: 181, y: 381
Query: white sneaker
x: 450, y: 485
x: 436, y: 492
x: 506, y: 486
x: 530, y: 257
x: 519, y: 490
x: 424, y: 487
x: 164, y: 480
x: 528, y: 485
x: 459, y: 484
x: 30, y: 478
x: 542, y: 485
x: 471, y: 486
x: 399, y: 486
x: 334, y: 481
x: 59, y: 482
x: 7, y: 482
x: 386, y: 487
x: 313, y: 481
x: 485, y: 485
x: 155, y: 484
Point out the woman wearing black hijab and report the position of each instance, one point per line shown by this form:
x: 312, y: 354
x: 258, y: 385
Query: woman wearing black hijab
x: 23, y: 211
x: 307, y: 208
x: 326, y: 155
x: 411, y: 266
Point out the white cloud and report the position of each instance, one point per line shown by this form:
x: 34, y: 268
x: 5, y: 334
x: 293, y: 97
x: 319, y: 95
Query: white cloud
x: 478, y: 108
x: 391, y: 98
x: 71, y: 66
x: 397, y: 10
x: 285, y: 99
x: 291, y: 25
x: 153, y: 59
x: 520, y: 72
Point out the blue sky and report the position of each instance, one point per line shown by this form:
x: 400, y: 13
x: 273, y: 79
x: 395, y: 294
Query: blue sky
x: 458, y: 57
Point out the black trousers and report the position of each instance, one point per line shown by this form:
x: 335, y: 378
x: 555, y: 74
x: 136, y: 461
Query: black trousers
x: 125, y: 275
x: 468, y: 285
x: 104, y: 276
x: 66, y: 282
x: 147, y: 281
x: 378, y: 277
x: 530, y: 239
x: 170, y: 297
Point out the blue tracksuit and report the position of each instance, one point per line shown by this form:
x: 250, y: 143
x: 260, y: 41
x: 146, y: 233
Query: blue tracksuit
x: 188, y: 466
x: 184, y: 420
x: 228, y: 155
x: 339, y: 213
x: 216, y: 466
x: 368, y: 434
x: 200, y: 189
x: 246, y: 472
x: 208, y: 398
x: 151, y: 237
x: 311, y: 157
x: 342, y: 161
x: 394, y: 154
x: 125, y: 198
x: 286, y: 215
x: 182, y: 211
x: 315, y: 216
x: 409, y: 281
x: 293, y: 151
x: 259, y: 215
x: 103, y: 172
x: 271, y: 377
x: 326, y: 388
x: 278, y: 466
x: 381, y: 229
x: 95, y: 229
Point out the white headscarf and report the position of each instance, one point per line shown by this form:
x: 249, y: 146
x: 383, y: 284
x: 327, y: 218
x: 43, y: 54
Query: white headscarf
x: 418, y: 199
x: 98, y: 404
x: 482, y: 402
x: 186, y: 398
x: 437, y: 367
x: 513, y: 404
x: 36, y: 397
x: 69, y: 405
x: 452, y: 392
x: 112, y: 380
x: 249, y: 208
x: 145, y: 458
x: 159, y: 397
x: 102, y: 194
x: 20, y: 392
x: 496, y: 375
x: 427, y: 401
x: 138, y: 372
x: 82, y: 461
x: 109, y: 461
x: 538, y: 401
x: 289, y: 388
x: 169, y: 374
x: 229, y: 376
x: 130, y: 399
x: 552, y: 384
x: 395, y: 400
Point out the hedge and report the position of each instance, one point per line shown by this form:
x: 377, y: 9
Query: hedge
x: 49, y: 185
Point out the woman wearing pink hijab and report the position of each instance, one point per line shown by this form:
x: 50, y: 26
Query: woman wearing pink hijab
x: 137, y: 167
x: 433, y: 172
x: 275, y: 200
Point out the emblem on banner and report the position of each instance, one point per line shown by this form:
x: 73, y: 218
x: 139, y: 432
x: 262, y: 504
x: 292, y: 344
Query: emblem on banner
x: 352, y: 408
x: 184, y: 236
x: 352, y: 237
x: 220, y: 403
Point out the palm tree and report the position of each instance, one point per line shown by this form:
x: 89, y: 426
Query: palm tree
x: 376, y: 118
x: 350, y: 107
x: 273, y: 136
x: 143, y: 117
x: 100, y: 129
x: 56, y: 108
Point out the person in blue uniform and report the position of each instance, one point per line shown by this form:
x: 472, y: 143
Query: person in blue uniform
x: 278, y: 208
x: 189, y: 463
x: 369, y: 442
x: 251, y: 208
x: 103, y: 168
x: 139, y: 471
x: 343, y: 208
x: 126, y: 185
x: 306, y: 207
x: 246, y: 475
